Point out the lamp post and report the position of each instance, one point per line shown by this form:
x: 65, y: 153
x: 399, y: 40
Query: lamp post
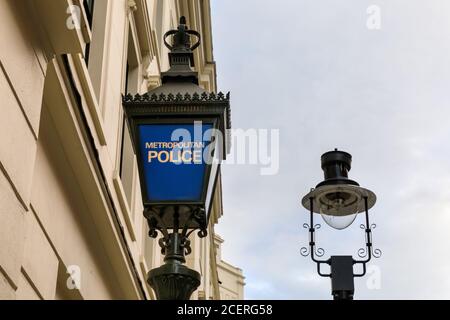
x: 179, y: 133
x: 339, y: 200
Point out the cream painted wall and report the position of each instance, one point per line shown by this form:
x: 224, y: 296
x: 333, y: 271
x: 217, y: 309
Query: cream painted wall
x: 21, y: 86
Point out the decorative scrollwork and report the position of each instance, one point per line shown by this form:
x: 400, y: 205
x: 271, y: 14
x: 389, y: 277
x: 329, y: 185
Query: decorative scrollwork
x: 312, y: 251
x: 316, y: 226
x: 202, y: 233
x: 304, y: 251
x: 372, y: 226
x: 363, y: 252
x: 164, y: 244
x: 320, y: 252
x: 198, y: 214
x: 152, y: 233
x: 377, y: 253
x: 156, y: 224
x: 186, y: 244
x: 368, y: 252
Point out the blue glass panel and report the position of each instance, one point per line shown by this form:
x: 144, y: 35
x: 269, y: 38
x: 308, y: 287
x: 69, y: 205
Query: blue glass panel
x: 173, y: 164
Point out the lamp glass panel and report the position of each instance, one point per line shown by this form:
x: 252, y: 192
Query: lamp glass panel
x: 174, y: 167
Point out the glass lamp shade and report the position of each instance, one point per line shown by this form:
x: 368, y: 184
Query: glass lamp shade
x: 339, y: 204
x: 339, y: 222
x: 339, y: 209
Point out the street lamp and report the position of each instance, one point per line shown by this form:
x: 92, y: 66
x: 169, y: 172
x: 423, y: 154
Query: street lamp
x: 338, y: 200
x: 179, y: 133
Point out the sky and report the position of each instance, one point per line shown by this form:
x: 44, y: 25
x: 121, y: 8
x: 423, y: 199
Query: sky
x: 315, y: 71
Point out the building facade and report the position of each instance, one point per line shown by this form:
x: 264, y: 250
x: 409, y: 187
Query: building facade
x: 231, y: 279
x: 70, y: 205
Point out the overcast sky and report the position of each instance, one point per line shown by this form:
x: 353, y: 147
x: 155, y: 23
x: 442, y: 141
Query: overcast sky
x: 313, y: 70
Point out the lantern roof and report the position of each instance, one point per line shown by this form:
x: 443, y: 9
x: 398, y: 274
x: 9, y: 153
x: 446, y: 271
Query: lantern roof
x: 178, y: 87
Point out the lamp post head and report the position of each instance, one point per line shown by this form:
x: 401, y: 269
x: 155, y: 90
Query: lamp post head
x: 336, y: 165
x: 338, y: 199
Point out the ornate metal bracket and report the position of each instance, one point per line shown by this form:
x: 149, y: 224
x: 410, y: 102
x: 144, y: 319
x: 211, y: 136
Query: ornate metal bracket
x: 369, y: 251
x: 167, y: 243
x: 173, y: 280
x: 312, y: 244
x: 366, y: 253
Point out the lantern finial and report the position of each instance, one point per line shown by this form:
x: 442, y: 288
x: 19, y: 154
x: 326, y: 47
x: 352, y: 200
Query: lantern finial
x: 181, y: 57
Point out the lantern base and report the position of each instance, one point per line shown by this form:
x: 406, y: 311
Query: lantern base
x: 173, y: 281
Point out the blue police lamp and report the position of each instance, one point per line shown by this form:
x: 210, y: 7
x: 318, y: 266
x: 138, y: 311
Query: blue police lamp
x: 180, y: 136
